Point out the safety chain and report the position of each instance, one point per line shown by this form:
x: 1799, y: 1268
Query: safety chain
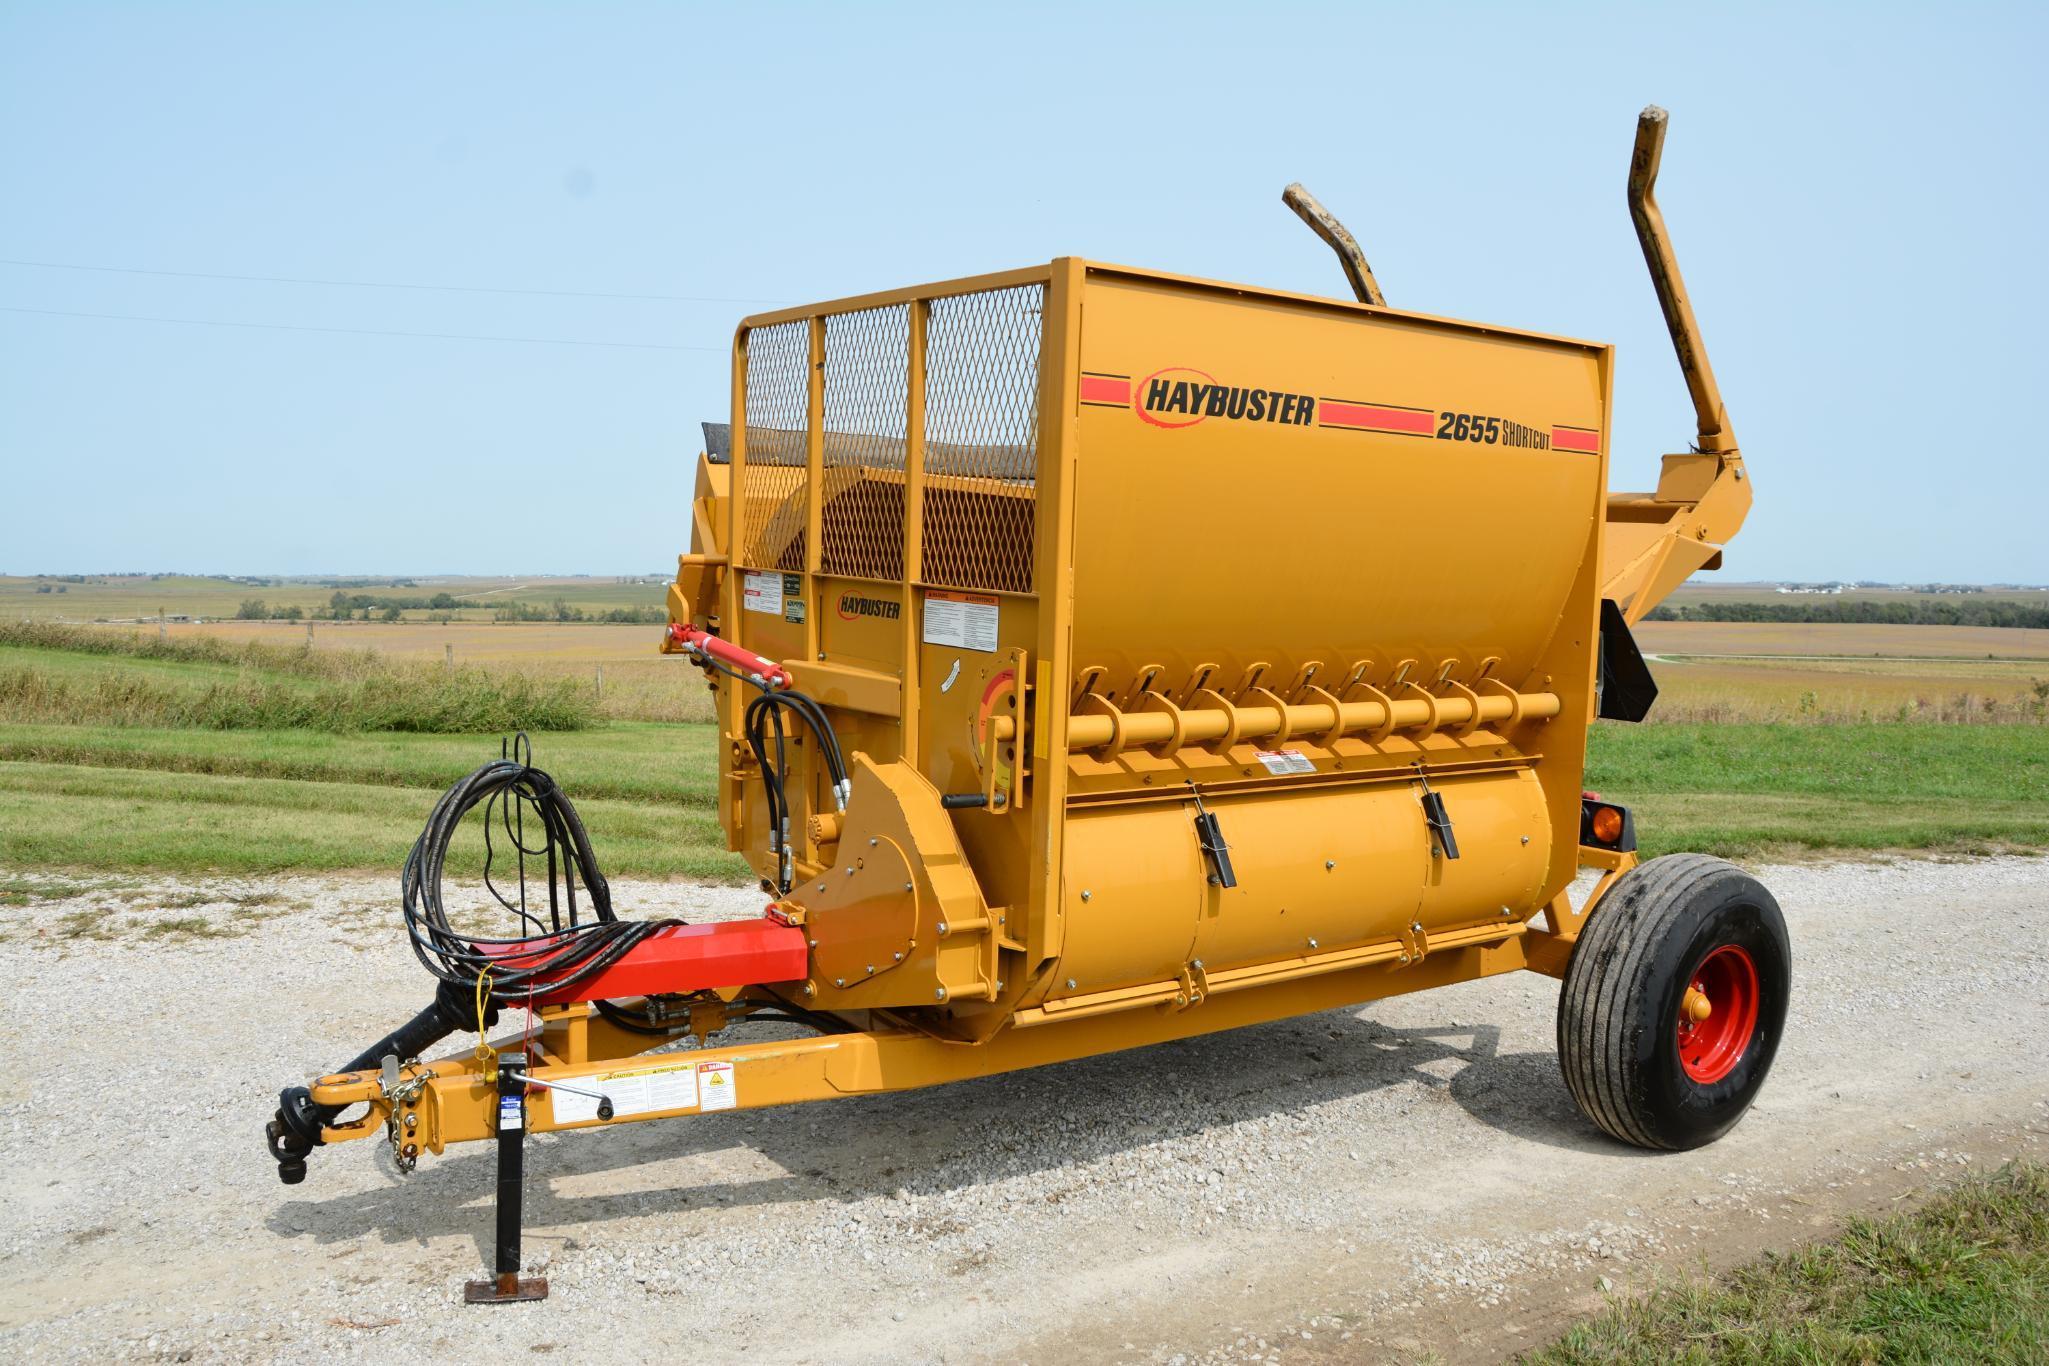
x: 405, y: 1147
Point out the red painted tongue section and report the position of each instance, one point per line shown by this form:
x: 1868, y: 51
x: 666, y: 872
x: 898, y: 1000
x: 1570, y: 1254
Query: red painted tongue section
x: 727, y: 953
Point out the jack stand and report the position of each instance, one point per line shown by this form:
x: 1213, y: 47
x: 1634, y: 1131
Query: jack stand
x: 509, y: 1287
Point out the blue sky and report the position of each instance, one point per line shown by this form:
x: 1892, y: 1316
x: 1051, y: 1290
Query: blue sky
x: 1856, y: 194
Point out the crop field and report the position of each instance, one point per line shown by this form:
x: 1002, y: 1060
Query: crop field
x: 628, y: 679
x: 132, y: 597
x: 1768, y: 671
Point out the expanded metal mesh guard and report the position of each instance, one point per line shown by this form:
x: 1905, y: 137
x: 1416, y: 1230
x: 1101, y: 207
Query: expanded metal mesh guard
x: 867, y: 397
x: 979, y: 512
x: 778, y: 420
x: 982, y: 439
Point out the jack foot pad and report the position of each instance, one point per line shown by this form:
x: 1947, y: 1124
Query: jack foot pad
x: 510, y: 1288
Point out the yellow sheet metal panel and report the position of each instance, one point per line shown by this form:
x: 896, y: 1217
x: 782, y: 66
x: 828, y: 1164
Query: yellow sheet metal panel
x: 1281, y: 482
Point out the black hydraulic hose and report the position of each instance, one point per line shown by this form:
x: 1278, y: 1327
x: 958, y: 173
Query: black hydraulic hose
x: 763, y: 725
x: 563, y: 948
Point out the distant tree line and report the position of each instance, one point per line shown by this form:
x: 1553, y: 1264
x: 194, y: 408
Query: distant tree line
x: 342, y: 605
x: 392, y: 607
x: 1947, y: 611
x: 560, y: 610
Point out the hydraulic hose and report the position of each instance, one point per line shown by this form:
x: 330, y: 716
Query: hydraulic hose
x: 565, y: 944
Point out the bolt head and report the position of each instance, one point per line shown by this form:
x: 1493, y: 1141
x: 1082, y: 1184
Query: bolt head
x: 899, y: 958
x: 810, y: 989
x: 1312, y: 943
x: 1329, y: 864
x: 839, y: 981
x: 1072, y: 984
x: 1086, y: 894
x: 871, y: 969
x: 907, y: 886
x: 939, y: 993
x: 1416, y: 925
x: 1526, y: 839
x: 872, y: 843
x: 942, y: 927
x: 1197, y: 965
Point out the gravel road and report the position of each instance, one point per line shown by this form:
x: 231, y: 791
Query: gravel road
x: 1368, y: 1183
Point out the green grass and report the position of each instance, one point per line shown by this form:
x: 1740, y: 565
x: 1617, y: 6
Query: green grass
x: 1964, y: 1279
x: 77, y: 676
x: 77, y: 665
x: 118, y: 818
x: 1750, y: 790
x: 633, y: 761
x: 112, y: 797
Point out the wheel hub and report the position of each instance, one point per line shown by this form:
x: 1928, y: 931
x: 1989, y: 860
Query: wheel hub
x: 1718, y: 1015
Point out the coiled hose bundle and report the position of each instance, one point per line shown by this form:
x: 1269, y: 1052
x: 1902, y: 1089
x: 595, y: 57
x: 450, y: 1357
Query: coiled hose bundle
x: 563, y: 946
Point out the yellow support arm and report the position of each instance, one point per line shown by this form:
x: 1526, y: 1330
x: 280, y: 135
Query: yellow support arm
x: 1656, y: 541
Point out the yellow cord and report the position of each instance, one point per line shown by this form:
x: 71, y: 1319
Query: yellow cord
x: 485, y: 1055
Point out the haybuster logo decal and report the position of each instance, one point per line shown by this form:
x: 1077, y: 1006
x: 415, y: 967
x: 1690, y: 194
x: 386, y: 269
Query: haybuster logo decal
x: 1180, y: 396
x: 853, y: 605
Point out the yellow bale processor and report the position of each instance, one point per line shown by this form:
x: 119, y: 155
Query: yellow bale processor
x: 1104, y: 657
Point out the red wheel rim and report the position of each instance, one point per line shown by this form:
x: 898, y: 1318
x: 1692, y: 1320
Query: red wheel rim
x: 1709, y: 1049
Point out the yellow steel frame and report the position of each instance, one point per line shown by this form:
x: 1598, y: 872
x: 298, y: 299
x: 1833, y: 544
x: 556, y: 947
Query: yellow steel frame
x: 457, y: 1102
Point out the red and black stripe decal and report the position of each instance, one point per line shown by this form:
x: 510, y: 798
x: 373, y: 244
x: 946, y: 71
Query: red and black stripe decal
x: 1101, y: 390
x: 1397, y: 419
x: 1587, y: 439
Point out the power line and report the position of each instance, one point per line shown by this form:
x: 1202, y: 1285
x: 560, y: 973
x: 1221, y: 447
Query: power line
x: 356, y: 331
x: 382, y: 284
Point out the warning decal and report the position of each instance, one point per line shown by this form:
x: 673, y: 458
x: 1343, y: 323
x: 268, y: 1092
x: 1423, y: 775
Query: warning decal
x: 1285, y: 761
x: 763, y: 592
x: 638, y: 1092
x: 715, y: 1083
x: 966, y: 621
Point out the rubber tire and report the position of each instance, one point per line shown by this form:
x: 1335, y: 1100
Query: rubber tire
x: 1619, y: 1010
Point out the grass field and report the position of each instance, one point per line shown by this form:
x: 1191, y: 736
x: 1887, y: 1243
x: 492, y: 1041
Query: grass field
x: 240, y: 749
x: 626, y: 677
x: 1965, y: 1278
x: 182, y: 800
x: 1769, y: 671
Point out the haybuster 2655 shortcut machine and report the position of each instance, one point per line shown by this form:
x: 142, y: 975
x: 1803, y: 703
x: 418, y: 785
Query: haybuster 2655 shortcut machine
x: 1104, y: 657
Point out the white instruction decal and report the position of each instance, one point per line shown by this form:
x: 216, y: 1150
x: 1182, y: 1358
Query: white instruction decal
x: 508, y: 1113
x: 638, y: 1092
x: 763, y: 593
x: 716, y: 1084
x: 966, y: 621
x: 1285, y: 761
